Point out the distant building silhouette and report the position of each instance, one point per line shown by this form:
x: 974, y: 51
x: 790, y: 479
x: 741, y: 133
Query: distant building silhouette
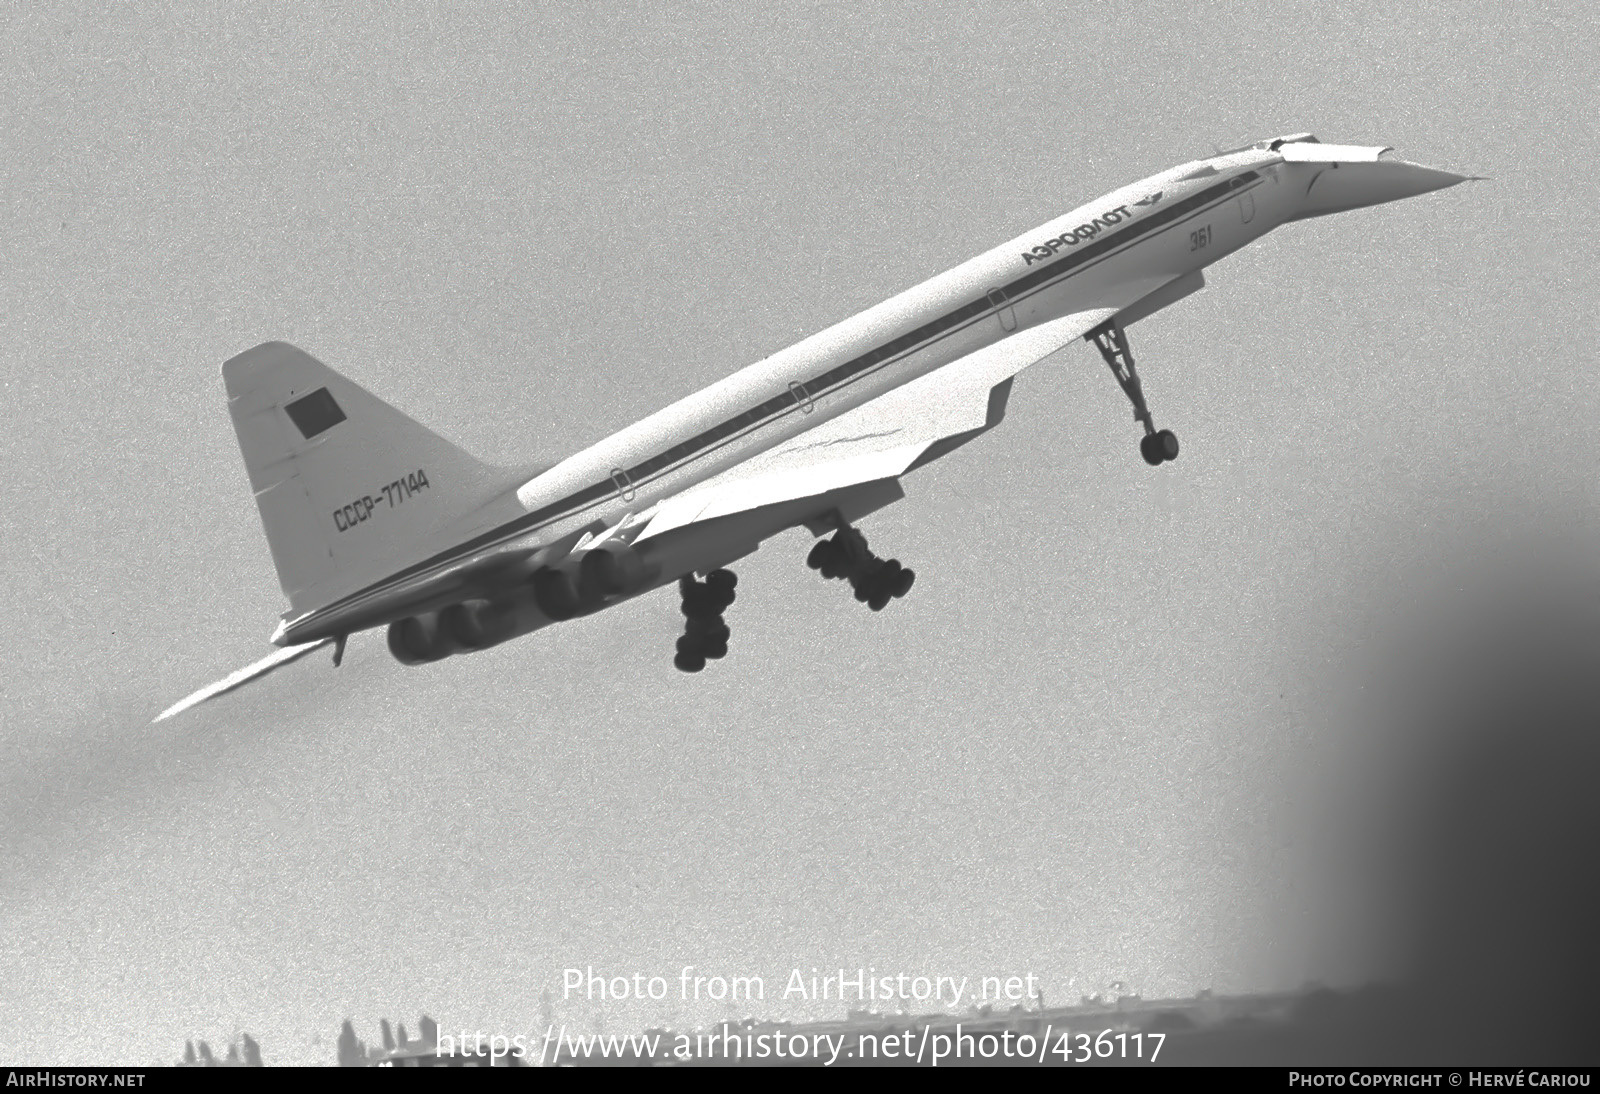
x: 399, y: 1050
x: 242, y: 1053
x: 352, y: 1052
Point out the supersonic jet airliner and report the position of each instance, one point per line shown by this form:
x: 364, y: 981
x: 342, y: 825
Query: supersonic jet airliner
x: 373, y: 521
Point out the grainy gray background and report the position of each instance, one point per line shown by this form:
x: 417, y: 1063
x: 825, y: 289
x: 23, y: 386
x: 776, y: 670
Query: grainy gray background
x: 1107, y: 738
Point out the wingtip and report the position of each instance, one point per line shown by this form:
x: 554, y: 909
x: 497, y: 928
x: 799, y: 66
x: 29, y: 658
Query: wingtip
x: 183, y: 704
x: 270, y: 663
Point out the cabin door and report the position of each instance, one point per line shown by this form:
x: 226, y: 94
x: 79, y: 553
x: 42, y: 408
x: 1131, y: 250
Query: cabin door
x: 1003, y: 308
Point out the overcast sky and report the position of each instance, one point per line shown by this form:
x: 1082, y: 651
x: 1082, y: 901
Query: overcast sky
x: 1103, y: 738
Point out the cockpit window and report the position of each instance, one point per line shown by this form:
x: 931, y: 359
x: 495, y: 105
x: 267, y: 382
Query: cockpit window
x: 1293, y: 138
x: 1272, y: 144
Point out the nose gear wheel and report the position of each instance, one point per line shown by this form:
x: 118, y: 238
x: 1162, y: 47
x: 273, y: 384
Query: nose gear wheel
x: 1157, y: 447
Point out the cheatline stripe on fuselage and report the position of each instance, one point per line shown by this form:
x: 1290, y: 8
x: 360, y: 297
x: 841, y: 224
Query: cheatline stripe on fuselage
x: 828, y: 382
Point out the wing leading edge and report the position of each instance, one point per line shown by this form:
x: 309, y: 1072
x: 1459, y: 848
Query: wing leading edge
x: 882, y: 439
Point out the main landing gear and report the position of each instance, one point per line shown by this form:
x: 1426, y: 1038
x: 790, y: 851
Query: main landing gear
x: 875, y: 580
x: 705, y: 634
x: 1157, y: 447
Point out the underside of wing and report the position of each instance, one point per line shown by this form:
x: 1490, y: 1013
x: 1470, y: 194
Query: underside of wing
x: 882, y: 439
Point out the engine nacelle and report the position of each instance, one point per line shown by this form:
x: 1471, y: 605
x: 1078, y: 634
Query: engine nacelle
x: 464, y: 628
x: 612, y: 571
x: 479, y: 624
x: 419, y: 640
x: 586, y: 580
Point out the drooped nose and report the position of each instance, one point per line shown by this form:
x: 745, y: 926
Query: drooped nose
x: 1339, y: 183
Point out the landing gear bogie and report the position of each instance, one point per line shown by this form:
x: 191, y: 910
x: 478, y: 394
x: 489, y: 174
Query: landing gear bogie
x: 875, y: 581
x: 705, y: 634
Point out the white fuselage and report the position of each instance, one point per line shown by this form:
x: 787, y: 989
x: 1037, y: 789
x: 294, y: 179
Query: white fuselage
x: 824, y: 375
x: 373, y: 520
x: 1134, y: 239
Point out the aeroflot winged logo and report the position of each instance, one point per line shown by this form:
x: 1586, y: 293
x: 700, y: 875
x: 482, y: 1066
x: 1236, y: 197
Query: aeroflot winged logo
x: 1049, y: 247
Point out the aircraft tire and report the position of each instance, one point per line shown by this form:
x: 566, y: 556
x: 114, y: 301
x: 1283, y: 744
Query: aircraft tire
x: 716, y: 650
x: 704, y: 627
x: 1167, y: 444
x: 689, y: 663
x: 903, y: 582
x: 878, y: 601
x: 820, y: 554
x: 702, y: 603
x: 1147, y: 449
x: 723, y: 582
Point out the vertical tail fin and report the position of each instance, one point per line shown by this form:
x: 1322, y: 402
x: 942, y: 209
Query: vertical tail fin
x: 343, y: 480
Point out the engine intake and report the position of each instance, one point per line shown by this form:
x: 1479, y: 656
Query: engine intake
x: 612, y: 571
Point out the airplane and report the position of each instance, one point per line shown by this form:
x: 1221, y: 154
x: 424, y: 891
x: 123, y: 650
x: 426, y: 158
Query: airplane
x: 374, y: 521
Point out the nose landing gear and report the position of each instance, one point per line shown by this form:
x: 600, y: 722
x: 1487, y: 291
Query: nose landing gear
x: 1156, y: 446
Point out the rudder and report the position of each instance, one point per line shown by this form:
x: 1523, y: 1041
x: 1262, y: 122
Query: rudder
x: 342, y: 479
